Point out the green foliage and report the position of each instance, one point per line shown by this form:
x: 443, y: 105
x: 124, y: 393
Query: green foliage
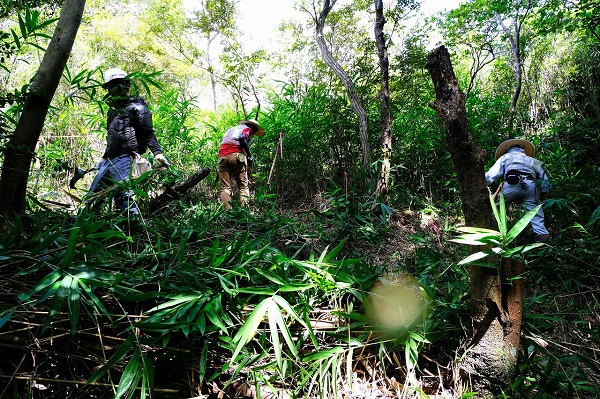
x: 501, y: 238
x: 232, y: 295
x: 348, y: 215
x: 310, y: 117
x: 173, y: 120
x: 239, y: 294
x: 14, y: 42
x: 30, y: 28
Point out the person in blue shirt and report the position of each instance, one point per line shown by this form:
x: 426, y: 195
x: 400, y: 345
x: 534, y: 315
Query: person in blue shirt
x: 524, y: 180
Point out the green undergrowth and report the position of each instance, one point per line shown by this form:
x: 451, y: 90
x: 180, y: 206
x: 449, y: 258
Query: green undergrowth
x: 193, y: 299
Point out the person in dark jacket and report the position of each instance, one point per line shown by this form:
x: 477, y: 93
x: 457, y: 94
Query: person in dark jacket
x: 235, y: 158
x: 129, y: 132
x: 524, y: 180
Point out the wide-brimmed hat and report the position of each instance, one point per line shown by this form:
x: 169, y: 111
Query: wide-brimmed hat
x: 524, y: 144
x: 251, y: 122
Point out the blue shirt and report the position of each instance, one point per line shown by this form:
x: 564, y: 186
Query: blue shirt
x: 515, y: 158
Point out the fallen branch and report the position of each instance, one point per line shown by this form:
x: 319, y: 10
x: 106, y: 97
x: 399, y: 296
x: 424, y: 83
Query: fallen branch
x: 176, y: 192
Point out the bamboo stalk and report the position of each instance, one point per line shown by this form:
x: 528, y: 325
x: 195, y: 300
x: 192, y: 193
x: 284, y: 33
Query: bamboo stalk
x: 273, y: 164
x: 13, y: 376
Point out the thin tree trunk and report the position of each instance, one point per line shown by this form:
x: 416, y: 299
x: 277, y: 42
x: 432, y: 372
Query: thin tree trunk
x: 490, y: 361
x: 515, y: 44
x: 386, y: 125
x: 479, y: 62
x: 211, y: 71
x: 515, y: 40
x: 19, y: 152
x: 346, y: 81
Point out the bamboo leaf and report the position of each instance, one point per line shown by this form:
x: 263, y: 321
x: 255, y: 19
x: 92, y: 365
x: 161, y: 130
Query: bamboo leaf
x: 270, y: 276
x: 59, y: 298
x: 180, y: 299
x: 292, y: 287
x: 324, y: 354
x: 288, y: 308
x: 94, y: 299
x: 46, y: 243
x: 480, y: 255
x: 273, y: 310
x: 255, y: 290
x: 107, y: 234
x: 285, y: 331
x: 522, y: 249
x: 201, y: 323
x: 334, y: 253
x: 253, y: 259
x: 47, y: 281
x: 226, y: 284
x: 213, y: 311
x: 49, y: 292
x: 503, y: 221
x: 6, y: 317
x: 477, y: 230
x: 129, y: 374
x: 478, y: 239
x: 70, y: 252
x: 148, y: 369
x: 248, y: 329
x: 45, y: 24
x: 16, y: 40
x: 196, y: 307
x: 119, y: 354
x: 520, y: 225
x: 203, y: 363
x: 23, y: 25
x: 74, y: 304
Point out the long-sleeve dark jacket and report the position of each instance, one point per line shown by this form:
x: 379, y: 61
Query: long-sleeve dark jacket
x: 130, y: 130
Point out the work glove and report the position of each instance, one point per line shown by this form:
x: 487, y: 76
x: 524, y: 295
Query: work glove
x: 161, y: 160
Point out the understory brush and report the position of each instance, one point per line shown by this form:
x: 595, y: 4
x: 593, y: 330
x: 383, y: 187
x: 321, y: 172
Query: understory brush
x: 195, y: 300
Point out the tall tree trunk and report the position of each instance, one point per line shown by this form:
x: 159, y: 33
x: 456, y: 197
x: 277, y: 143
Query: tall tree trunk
x: 346, y: 81
x: 386, y: 129
x: 19, y: 151
x: 490, y: 361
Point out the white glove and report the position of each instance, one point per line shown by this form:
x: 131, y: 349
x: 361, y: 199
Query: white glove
x: 161, y: 161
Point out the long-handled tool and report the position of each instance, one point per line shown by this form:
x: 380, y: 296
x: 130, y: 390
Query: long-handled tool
x: 498, y: 191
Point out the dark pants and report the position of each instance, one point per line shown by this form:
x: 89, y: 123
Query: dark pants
x: 110, y: 171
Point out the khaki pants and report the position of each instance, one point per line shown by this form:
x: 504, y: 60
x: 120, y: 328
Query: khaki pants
x: 230, y: 167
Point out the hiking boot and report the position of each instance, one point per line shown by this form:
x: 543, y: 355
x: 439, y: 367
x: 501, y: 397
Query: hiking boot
x: 542, y: 238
